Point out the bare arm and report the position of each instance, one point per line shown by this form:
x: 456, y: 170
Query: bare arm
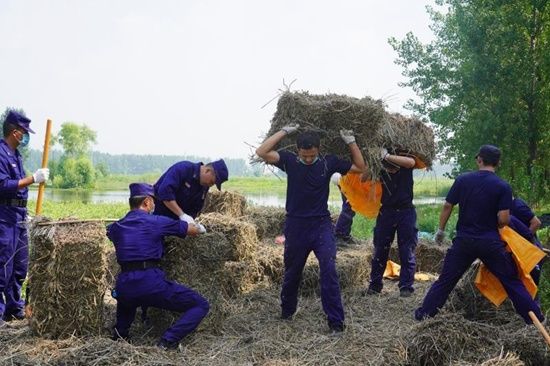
x: 445, y: 214
x: 358, y: 163
x: 174, y: 207
x: 266, y: 151
x: 534, y: 224
x: 503, y: 218
x: 25, y: 182
x: 402, y: 161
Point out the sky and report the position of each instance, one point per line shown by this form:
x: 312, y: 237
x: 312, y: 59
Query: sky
x: 186, y: 77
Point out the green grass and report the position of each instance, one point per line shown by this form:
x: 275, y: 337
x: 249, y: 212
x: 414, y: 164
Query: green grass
x: 58, y: 210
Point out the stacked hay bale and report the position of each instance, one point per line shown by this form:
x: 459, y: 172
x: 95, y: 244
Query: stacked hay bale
x: 269, y: 221
x: 67, y: 277
x: 429, y: 257
x: 225, y: 202
x: 372, y: 125
x: 219, y: 264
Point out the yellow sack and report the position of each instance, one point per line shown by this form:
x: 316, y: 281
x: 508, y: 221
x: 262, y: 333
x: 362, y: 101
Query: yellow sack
x: 525, y: 254
x: 393, y: 269
x: 364, y: 197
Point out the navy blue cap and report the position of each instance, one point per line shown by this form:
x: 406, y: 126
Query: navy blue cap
x: 141, y: 189
x: 20, y: 120
x: 490, y: 154
x: 221, y: 172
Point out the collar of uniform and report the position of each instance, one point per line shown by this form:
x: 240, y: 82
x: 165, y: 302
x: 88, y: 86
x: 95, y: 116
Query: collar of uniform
x: 7, y: 148
x: 197, y: 171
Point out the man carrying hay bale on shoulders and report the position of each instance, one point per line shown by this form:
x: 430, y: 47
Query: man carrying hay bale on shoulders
x: 138, y: 241
x: 484, y: 201
x: 180, y: 192
x: 14, y: 250
x: 308, y: 226
x: 397, y: 214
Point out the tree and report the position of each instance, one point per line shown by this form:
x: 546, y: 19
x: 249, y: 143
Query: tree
x: 75, y: 168
x: 486, y: 79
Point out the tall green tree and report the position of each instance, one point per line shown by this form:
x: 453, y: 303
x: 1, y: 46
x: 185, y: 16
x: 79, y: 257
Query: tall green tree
x: 75, y: 168
x: 485, y: 78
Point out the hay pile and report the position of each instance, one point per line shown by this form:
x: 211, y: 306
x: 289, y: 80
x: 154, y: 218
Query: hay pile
x: 67, y: 277
x: 269, y: 221
x: 225, y: 202
x: 429, y: 257
x: 372, y: 125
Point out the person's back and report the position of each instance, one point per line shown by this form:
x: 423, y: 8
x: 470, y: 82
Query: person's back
x: 479, y: 195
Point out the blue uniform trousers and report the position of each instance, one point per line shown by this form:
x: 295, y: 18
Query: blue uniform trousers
x: 14, y: 259
x: 151, y: 288
x: 388, y: 223
x: 345, y: 220
x: 304, y: 235
x: 459, y: 258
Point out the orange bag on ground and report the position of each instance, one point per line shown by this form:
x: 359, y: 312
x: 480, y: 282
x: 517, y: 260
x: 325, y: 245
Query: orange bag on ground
x: 364, y: 197
x: 525, y: 254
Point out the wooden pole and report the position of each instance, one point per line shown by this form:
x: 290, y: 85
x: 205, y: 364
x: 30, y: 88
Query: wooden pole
x: 45, y: 153
x: 540, y: 327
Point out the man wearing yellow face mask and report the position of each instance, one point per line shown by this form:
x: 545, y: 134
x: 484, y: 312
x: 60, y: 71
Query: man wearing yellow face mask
x: 14, y: 251
x: 308, y: 226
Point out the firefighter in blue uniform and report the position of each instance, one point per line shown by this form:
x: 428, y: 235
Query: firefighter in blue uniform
x: 484, y: 202
x: 180, y: 192
x: 397, y: 215
x: 138, y: 241
x: 14, y: 250
x: 308, y: 226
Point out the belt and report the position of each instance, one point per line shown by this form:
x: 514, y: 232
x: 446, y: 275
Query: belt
x: 397, y: 208
x: 139, y: 265
x: 14, y: 202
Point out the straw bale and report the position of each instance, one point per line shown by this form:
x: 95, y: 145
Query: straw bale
x: 528, y: 344
x: 408, y: 135
x: 509, y: 359
x: 113, y: 268
x: 241, y: 236
x: 269, y: 221
x: 429, y: 257
x: 467, y: 300
x: 225, y: 202
x: 449, y: 337
x: 68, y: 278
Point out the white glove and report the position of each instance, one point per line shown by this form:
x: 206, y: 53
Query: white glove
x: 439, y: 236
x: 41, y: 175
x: 347, y: 136
x: 383, y: 153
x: 290, y: 128
x: 188, y: 219
x: 202, y: 229
x: 335, y: 179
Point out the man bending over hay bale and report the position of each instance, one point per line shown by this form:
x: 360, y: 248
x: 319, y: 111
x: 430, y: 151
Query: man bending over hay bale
x: 138, y: 240
x: 308, y: 225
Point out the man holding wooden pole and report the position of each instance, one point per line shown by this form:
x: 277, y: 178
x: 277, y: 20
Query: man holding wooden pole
x: 14, y: 251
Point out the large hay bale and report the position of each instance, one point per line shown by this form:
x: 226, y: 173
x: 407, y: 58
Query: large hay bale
x: 328, y: 114
x: 241, y: 237
x: 67, y: 276
x: 225, y: 202
x: 467, y: 300
x: 269, y: 221
x: 408, y: 135
x: 429, y: 257
x: 448, y: 338
x: 528, y: 344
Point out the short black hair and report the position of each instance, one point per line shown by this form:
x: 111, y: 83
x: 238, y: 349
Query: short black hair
x: 489, y: 154
x: 307, y: 140
x: 136, y: 201
x: 8, y: 128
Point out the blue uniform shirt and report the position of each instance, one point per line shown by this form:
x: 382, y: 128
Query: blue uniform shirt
x: 397, y: 188
x: 11, y: 171
x: 308, y: 186
x: 521, y: 211
x: 480, y: 195
x: 520, y: 228
x: 139, y: 236
x: 181, y: 182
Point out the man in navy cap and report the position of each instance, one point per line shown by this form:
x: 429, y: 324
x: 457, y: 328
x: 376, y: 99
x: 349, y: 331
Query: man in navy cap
x: 138, y: 241
x: 13, y: 213
x: 397, y: 215
x: 180, y: 192
x: 308, y: 226
x: 484, y: 202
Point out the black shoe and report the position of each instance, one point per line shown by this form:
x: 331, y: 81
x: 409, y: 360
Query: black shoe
x: 287, y: 316
x: 167, y: 345
x: 405, y: 292
x: 336, y: 329
x: 371, y: 291
x: 16, y: 316
x: 118, y: 337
